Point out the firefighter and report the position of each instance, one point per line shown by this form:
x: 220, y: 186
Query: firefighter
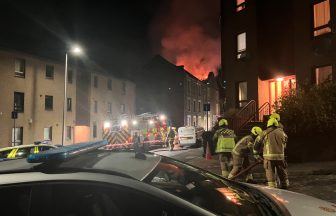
x: 225, y: 142
x: 273, y: 143
x: 241, y: 152
x: 170, y: 138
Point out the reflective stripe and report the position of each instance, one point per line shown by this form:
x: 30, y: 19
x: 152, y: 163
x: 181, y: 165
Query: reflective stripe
x: 235, y: 152
x: 36, y: 150
x: 13, y: 153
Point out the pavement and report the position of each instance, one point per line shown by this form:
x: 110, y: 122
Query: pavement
x: 317, y: 179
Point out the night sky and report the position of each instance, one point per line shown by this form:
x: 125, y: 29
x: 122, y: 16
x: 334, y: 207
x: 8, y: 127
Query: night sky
x: 120, y: 36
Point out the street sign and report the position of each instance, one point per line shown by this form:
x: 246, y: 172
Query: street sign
x: 14, y: 115
x: 206, y: 107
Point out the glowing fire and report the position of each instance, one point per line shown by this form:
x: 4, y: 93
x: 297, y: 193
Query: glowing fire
x: 192, y: 48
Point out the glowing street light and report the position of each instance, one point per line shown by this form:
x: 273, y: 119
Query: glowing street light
x: 151, y: 122
x: 75, y: 50
x: 134, y: 122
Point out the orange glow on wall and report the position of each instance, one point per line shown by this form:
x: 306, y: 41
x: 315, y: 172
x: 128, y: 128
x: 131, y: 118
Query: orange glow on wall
x: 82, y: 134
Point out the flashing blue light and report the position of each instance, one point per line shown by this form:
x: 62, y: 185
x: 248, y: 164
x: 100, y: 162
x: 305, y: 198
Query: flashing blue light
x: 66, y: 152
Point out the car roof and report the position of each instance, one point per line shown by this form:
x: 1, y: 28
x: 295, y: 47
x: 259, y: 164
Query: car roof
x: 100, y: 160
x: 24, y: 146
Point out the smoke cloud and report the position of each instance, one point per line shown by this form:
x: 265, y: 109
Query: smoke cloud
x: 188, y: 33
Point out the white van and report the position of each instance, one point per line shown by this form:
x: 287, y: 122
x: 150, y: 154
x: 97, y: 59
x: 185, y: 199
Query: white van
x: 187, y: 136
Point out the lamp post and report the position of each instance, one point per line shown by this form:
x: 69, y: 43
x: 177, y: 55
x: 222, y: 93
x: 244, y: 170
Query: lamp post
x: 76, y: 50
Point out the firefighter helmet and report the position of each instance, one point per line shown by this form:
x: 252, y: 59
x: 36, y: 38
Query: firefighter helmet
x: 256, y: 131
x: 275, y: 116
x: 223, y: 122
x: 272, y: 122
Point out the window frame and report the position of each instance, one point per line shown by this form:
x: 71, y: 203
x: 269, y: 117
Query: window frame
x: 69, y: 132
x: 15, y: 106
x: 322, y: 66
x: 326, y: 26
x: 109, y: 107
x: 47, y: 106
x: 241, y: 54
x: 49, y: 138
x: 52, y: 68
x: 241, y: 103
x: 20, y: 129
x: 69, y: 104
x: 241, y: 7
x: 20, y: 74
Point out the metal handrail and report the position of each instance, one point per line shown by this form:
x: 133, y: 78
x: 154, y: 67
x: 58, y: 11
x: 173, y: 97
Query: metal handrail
x: 265, y: 109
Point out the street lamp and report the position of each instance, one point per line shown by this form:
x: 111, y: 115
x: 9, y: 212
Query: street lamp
x: 134, y: 122
x: 75, y: 50
x: 162, y: 117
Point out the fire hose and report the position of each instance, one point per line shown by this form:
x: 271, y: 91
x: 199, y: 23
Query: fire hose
x: 259, y: 161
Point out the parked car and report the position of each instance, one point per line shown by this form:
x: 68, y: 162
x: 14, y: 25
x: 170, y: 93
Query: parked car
x: 90, y: 179
x: 22, y: 151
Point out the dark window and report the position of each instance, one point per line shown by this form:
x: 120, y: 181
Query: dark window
x: 123, y: 88
x: 189, y: 106
x: 123, y: 108
x: 17, y: 136
x: 199, y: 106
x: 70, y: 75
x: 95, y: 81
x: 95, y: 107
x: 68, y: 132
x: 19, y: 102
x: 93, y: 199
x: 47, y: 133
x: 16, y: 200
x: 241, y: 5
x: 49, y: 71
x: 44, y: 148
x: 109, y: 107
x: 194, y: 106
x: 94, y: 130
x: 69, y: 104
x: 188, y: 87
x: 322, y: 18
x: 49, y: 102
x: 109, y: 84
x: 20, y: 68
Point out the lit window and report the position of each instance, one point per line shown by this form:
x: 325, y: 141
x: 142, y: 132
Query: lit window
x: 17, y: 136
x: 20, y: 68
x: 242, y: 94
x: 322, y: 18
x: 47, y: 133
x: 323, y: 74
x: 241, y: 5
x: 241, y: 45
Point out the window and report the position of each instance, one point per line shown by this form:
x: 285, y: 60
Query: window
x: 49, y: 72
x: 19, y: 102
x: 20, y: 68
x: 323, y: 74
x: 17, y: 136
x: 69, y: 104
x: 199, y: 106
x: 241, y: 5
x: 49, y: 102
x: 123, y: 88
x: 189, y: 120
x: 95, y: 81
x: 194, y: 106
x: 95, y: 106
x: 68, y: 132
x: 70, y: 75
x: 109, y: 107
x: 188, y: 105
x: 199, y: 90
x: 122, y: 108
x: 242, y: 94
x: 94, y: 130
x: 200, y: 121
x: 241, y: 45
x: 47, y: 133
x: 188, y: 87
x: 322, y: 18
x: 109, y: 84
x: 194, y: 121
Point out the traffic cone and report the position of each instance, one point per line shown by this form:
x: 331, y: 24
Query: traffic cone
x: 208, y: 153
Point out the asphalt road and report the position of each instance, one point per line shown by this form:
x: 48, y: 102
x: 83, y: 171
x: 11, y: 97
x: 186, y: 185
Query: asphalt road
x: 317, y: 184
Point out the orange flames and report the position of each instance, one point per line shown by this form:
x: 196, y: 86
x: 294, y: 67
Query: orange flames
x: 191, y: 47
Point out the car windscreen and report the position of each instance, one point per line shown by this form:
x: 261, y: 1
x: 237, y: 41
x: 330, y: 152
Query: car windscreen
x: 203, y: 189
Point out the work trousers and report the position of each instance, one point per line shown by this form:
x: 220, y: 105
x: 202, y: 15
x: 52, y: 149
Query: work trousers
x: 279, y: 166
x: 239, y: 163
x: 171, y: 145
x: 225, y: 160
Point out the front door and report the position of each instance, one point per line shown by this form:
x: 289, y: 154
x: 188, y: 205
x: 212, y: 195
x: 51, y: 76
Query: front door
x: 280, y: 87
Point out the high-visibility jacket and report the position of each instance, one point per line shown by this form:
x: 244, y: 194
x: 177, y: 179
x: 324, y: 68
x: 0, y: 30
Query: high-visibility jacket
x: 225, y: 140
x: 243, y: 146
x: 274, y: 141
